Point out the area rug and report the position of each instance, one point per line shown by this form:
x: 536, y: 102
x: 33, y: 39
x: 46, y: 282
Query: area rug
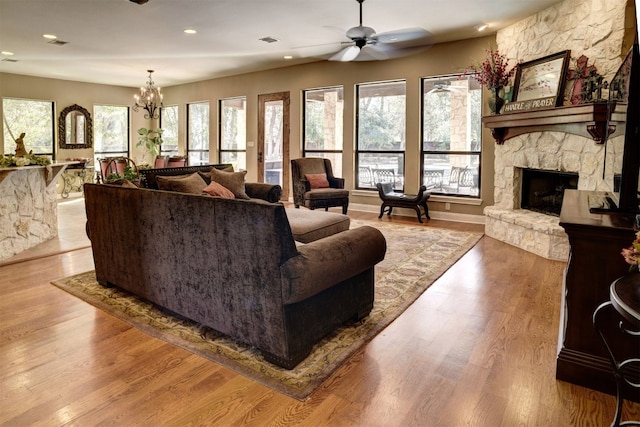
x: 416, y: 257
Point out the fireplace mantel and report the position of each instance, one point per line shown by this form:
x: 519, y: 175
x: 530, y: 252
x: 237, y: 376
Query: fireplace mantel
x: 587, y: 120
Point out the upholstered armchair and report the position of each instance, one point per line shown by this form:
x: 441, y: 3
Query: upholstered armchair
x: 314, y: 185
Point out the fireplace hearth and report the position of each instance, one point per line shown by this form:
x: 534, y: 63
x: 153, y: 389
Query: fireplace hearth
x: 543, y: 190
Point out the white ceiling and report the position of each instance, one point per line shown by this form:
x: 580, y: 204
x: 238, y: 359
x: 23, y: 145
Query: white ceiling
x: 116, y: 41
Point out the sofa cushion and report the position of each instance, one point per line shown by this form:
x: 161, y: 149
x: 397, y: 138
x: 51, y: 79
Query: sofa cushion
x: 308, y: 226
x: 326, y: 193
x: 317, y: 180
x: 207, y: 175
x: 218, y: 190
x: 234, y: 181
x: 193, y: 183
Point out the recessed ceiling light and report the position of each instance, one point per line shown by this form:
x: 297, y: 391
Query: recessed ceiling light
x: 481, y: 27
x: 288, y: 57
x: 190, y: 31
x: 6, y: 52
x: 50, y: 36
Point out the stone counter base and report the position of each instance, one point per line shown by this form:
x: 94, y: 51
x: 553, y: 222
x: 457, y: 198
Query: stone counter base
x: 28, y: 210
x: 531, y: 231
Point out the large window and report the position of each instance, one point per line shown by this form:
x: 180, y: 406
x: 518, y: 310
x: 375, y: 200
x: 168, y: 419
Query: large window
x: 323, y: 113
x: 111, y: 131
x: 381, y: 122
x: 451, y: 135
x: 35, y: 119
x: 233, y: 132
x: 169, y: 126
x: 198, y: 133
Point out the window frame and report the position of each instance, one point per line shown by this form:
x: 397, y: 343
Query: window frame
x: 357, y: 152
x: 52, y: 105
x: 470, y: 153
x: 324, y: 153
x: 102, y: 154
x: 206, y: 150
x: 177, y: 150
x: 222, y: 150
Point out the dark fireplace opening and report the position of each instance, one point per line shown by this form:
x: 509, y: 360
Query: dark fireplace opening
x: 542, y: 190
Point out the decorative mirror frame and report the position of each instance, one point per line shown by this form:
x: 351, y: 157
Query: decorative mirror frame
x: 62, y: 129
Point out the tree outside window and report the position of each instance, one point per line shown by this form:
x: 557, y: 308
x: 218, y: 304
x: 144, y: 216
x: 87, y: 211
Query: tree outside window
x: 198, y: 133
x: 111, y: 131
x: 33, y: 117
x: 169, y: 126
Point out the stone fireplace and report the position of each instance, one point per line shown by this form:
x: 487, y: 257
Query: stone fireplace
x: 577, y: 162
x: 584, y: 28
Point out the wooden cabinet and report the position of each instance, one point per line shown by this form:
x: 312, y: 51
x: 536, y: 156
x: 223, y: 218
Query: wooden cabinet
x: 594, y: 263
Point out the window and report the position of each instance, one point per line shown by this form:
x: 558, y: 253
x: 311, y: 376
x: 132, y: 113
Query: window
x: 451, y: 135
x: 233, y: 132
x: 35, y: 119
x: 198, y: 133
x: 169, y: 125
x: 381, y: 134
x: 323, y: 113
x: 111, y: 131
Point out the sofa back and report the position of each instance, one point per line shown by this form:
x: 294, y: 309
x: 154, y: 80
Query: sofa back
x: 203, y: 257
x: 148, y: 176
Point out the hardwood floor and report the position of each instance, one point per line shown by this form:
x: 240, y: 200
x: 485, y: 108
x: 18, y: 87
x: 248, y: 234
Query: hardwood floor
x: 477, y: 348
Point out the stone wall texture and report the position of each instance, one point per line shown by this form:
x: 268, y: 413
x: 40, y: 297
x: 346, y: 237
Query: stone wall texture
x: 596, y: 29
x: 28, y: 210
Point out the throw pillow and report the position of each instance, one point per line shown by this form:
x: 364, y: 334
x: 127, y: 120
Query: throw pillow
x: 234, y: 181
x: 317, y: 180
x: 207, y: 175
x: 193, y: 184
x: 215, y: 189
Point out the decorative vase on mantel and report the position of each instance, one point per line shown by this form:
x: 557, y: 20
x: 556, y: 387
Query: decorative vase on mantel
x: 496, y: 102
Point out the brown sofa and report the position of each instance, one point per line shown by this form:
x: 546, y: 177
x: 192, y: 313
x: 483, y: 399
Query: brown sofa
x: 232, y: 265
x: 255, y: 190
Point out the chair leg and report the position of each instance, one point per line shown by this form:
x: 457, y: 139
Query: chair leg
x: 381, y: 211
x: 344, y: 210
x: 417, y: 208
x: 297, y: 206
x: 426, y: 210
x: 389, y: 211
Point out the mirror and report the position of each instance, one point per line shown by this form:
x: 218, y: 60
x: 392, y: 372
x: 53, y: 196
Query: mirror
x: 75, y: 128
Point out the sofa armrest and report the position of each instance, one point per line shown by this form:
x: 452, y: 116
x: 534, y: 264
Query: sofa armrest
x: 329, y: 261
x: 259, y: 190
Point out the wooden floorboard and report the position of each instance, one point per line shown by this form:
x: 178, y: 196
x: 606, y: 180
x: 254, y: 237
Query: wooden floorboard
x: 477, y: 348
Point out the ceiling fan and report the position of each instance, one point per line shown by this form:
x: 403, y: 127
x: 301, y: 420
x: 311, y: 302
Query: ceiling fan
x: 442, y: 86
x: 367, y: 45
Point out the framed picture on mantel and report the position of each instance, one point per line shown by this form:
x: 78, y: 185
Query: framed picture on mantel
x: 539, y: 83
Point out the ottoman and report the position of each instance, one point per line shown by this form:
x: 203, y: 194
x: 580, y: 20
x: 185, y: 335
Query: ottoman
x: 310, y: 225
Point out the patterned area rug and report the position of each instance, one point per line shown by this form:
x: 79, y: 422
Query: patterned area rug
x: 416, y: 257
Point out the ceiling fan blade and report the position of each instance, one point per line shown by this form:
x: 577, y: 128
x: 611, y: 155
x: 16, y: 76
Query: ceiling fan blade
x: 346, y: 55
x: 375, y: 52
x: 404, y: 36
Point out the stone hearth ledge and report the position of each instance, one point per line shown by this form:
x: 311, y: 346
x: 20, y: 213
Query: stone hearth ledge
x: 531, y: 231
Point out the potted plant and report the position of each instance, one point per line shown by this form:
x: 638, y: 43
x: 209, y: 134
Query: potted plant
x: 494, y: 74
x: 151, y: 139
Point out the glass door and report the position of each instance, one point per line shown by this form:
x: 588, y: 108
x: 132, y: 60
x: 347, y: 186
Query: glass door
x: 273, y: 140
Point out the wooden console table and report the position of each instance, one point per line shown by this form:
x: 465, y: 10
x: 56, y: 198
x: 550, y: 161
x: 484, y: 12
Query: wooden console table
x: 594, y: 263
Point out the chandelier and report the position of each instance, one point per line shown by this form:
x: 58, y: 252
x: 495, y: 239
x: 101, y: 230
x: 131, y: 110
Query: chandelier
x: 149, y: 99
